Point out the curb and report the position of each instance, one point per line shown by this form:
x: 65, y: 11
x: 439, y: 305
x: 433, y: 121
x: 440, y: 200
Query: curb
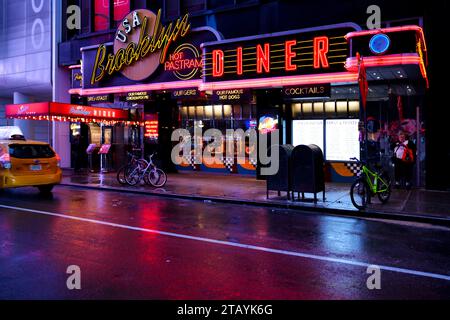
x: 372, y: 214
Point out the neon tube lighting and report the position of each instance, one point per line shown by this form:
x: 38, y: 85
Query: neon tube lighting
x: 281, y: 81
x: 395, y: 59
x: 417, y: 29
x: 75, y: 66
x: 383, y: 30
x: 137, y: 87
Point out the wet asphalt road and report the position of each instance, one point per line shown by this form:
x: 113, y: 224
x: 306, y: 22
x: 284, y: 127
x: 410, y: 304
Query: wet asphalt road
x: 144, y: 247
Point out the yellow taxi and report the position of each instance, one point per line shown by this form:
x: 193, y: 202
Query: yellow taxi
x: 27, y: 163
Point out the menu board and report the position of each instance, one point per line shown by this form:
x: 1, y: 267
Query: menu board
x: 342, y: 139
x: 104, y: 149
x: 307, y: 132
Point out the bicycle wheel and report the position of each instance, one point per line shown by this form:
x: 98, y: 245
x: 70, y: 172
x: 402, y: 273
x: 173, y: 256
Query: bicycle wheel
x: 157, y: 178
x: 384, y: 187
x: 133, y: 176
x: 121, y: 175
x: 359, y: 194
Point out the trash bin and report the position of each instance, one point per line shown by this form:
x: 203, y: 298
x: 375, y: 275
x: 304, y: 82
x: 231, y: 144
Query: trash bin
x: 307, y: 170
x: 281, y: 180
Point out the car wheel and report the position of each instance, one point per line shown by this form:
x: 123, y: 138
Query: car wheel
x: 45, y: 189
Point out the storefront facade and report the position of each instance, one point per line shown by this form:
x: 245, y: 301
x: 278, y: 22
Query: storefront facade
x: 302, y: 82
x: 92, y: 129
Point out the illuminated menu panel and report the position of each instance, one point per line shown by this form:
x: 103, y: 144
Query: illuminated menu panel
x: 151, y: 127
x: 342, y: 139
x: 307, y: 132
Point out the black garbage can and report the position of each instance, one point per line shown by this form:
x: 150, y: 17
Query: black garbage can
x: 307, y: 170
x: 281, y: 181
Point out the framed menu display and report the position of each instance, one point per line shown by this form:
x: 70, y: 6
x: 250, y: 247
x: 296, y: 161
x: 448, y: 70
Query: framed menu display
x: 342, y: 138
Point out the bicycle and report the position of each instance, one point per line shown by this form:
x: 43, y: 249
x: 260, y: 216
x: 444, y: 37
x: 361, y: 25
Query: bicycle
x: 369, y: 184
x: 148, y: 172
x: 127, y: 168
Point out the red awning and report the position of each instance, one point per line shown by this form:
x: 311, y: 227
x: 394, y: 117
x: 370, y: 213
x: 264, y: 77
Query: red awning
x: 64, y: 112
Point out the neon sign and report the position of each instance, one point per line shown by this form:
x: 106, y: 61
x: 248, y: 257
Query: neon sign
x: 267, y: 124
x: 184, y: 62
x: 379, y: 43
x: 133, y: 49
x: 284, y: 54
x: 151, y: 126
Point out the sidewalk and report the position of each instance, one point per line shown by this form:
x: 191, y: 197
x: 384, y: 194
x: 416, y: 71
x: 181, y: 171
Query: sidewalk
x: 414, y: 205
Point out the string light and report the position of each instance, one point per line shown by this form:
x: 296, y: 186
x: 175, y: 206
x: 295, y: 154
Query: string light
x: 82, y: 120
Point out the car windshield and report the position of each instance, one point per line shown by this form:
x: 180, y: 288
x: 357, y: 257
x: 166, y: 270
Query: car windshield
x: 29, y: 151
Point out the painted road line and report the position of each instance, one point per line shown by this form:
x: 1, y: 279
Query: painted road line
x: 238, y: 245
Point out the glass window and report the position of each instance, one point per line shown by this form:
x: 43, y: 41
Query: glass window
x: 101, y: 18
x: 184, y: 112
x: 246, y: 111
x: 341, y: 107
x: 330, y: 107
x: 237, y: 112
x: 191, y: 112
x: 192, y: 6
x: 121, y: 9
x: 308, y: 108
x: 208, y: 112
x: 353, y: 106
x: 296, y: 110
x: 227, y: 111
x: 200, y: 113
x: 85, y: 16
x: 318, y: 108
x: 29, y: 151
x: 172, y: 9
x: 214, y: 4
x: 218, y: 111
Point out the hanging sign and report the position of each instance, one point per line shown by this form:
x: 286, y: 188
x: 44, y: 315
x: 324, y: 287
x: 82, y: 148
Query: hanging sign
x: 231, y: 95
x: 307, y: 91
x: 100, y: 98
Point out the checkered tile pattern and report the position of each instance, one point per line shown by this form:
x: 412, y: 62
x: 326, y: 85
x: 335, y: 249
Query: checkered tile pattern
x: 354, y: 168
x: 191, y: 160
x: 229, y: 163
x: 253, y: 162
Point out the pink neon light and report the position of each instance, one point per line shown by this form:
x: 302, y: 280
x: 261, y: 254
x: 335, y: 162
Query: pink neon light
x: 351, y: 64
x: 383, y: 30
x: 281, y: 81
x: 138, y: 87
x: 75, y: 66
x: 417, y: 29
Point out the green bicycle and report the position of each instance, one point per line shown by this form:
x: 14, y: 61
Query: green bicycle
x: 369, y: 184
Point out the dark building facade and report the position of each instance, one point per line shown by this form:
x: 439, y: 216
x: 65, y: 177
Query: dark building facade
x: 399, y: 94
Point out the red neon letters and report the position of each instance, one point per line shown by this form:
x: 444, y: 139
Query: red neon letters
x: 263, y: 58
x: 239, y: 60
x: 217, y: 63
x: 288, y: 66
x: 320, y: 52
